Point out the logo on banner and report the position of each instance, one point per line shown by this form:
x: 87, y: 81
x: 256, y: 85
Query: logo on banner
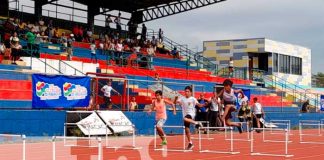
x: 322, y: 103
x: 74, y: 92
x: 47, y: 91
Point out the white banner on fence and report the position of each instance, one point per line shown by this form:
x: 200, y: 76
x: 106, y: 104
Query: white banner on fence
x: 94, y: 124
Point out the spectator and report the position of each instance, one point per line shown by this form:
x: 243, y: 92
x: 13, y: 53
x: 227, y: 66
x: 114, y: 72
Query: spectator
x: 55, y: 35
x: 137, y: 48
x: 101, y: 47
x: 106, y: 89
x: 157, y: 77
x: 50, y: 29
x: 31, y: 47
x: 133, y: 104
x: 154, y: 42
x: 175, y: 53
x: 305, y: 106
x: 44, y: 38
x: 107, y: 24
x: 160, y: 35
x: 202, y: 112
x: 69, y: 50
x: 119, y: 49
x: 2, y: 48
x: 144, y: 32
x: 118, y: 22
x: 76, y: 33
x: 80, y: 34
x: 63, y: 40
x: 214, y: 116
x: 93, y: 51
x: 244, y: 111
x: 111, y: 48
x: 231, y: 68
x: 89, y: 35
x: 15, y: 49
x: 258, y: 112
x: 151, y: 54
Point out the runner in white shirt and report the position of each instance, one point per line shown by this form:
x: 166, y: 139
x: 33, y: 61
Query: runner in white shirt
x: 106, y: 89
x: 258, y: 112
x: 188, y: 104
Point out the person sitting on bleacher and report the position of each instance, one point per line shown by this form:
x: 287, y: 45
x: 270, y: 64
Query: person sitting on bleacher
x: 15, y: 49
x: 175, y: 53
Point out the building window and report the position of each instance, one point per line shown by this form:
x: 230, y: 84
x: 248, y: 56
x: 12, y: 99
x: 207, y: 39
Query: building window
x: 275, y: 62
x: 288, y: 64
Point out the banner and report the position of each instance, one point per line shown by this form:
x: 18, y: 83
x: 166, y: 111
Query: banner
x: 247, y: 93
x: 58, y: 91
x: 95, y: 124
x: 322, y: 102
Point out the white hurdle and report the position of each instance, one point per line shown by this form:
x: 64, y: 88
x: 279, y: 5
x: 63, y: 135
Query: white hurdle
x: 272, y: 129
x: 98, y: 139
x: 238, y: 139
x: 23, y: 138
x: 314, y: 123
x: 208, y: 131
x: 231, y: 151
x: 253, y: 153
x: 134, y: 147
x: 172, y: 150
x: 281, y: 122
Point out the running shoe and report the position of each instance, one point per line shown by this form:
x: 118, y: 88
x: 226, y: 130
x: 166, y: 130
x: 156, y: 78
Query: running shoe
x: 190, y: 146
x: 240, y: 129
x: 164, y: 142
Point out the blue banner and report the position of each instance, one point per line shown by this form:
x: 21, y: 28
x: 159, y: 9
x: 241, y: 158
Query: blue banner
x: 58, y: 91
x: 247, y: 93
x: 322, y: 102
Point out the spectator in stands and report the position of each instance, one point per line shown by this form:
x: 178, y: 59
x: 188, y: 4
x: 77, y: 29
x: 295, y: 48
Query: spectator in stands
x: 175, y: 53
x: 150, y: 54
x: 16, y: 49
x: 154, y: 42
x: 305, y: 106
x: 101, y: 47
x: 118, y: 23
x: 157, y: 77
x: 160, y: 35
x: 119, y: 50
x: 133, y: 104
x: 93, y: 51
x: 2, y: 48
x: 214, y: 117
x: 69, y: 50
x: 31, y: 47
x: 89, y: 35
x: 111, y: 49
x: 63, y: 40
x: 106, y: 89
x: 144, y: 32
x: 258, y: 112
x: 107, y: 24
x: 44, y: 37
x: 231, y: 68
x: 137, y: 48
x: 49, y: 30
x: 75, y: 32
x: 202, y: 112
x: 55, y: 35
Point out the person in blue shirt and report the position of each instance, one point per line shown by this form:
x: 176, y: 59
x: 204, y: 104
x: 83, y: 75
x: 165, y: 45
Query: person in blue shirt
x: 202, y: 112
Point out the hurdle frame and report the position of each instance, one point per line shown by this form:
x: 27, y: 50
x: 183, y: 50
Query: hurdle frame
x: 214, y: 151
x: 133, y: 147
x: 23, y: 139
x: 319, y: 123
x: 238, y: 139
x: 172, y: 150
x: 271, y: 132
x: 253, y: 153
x: 280, y: 122
x: 208, y: 133
x: 54, y: 138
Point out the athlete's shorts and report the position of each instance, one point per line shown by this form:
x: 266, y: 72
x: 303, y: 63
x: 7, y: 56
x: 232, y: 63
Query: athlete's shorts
x: 187, y: 124
x: 258, y: 115
x: 160, y: 122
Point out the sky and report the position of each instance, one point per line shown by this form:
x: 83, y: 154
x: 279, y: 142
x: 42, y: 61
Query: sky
x: 299, y: 22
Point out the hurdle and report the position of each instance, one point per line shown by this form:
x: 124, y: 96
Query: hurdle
x: 208, y: 133
x: 23, y: 138
x: 318, y: 123
x: 281, y: 122
x: 253, y: 153
x: 54, y: 138
x: 238, y: 139
x: 231, y: 151
x: 133, y: 147
x: 172, y: 150
x: 275, y: 129
x: 75, y: 124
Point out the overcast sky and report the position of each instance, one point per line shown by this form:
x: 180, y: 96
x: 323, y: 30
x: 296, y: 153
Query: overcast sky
x: 298, y: 22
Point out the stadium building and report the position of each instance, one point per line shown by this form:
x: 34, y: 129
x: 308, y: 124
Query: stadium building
x: 291, y: 63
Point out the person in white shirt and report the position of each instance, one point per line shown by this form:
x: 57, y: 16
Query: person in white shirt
x: 106, y: 89
x: 93, y: 51
x: 258, y: 112
x: 188, y: 104
x: 215, y: 110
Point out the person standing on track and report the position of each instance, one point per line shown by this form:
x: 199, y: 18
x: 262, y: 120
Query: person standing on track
x: 159, y: 105
x: 106, y: 89
x: 188, y: 104
x: 229, y: 101
x: 258, y: 112
x: 215, y: 111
